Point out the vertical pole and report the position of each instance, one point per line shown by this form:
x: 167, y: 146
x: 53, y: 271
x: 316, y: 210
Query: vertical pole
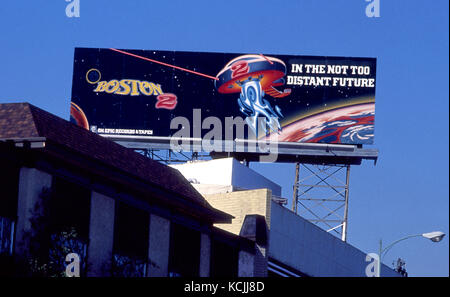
x: 379, y: 259
x: 344, y: 224
x: 295, y: 195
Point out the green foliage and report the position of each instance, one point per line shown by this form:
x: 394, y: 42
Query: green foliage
x: 48, y: 243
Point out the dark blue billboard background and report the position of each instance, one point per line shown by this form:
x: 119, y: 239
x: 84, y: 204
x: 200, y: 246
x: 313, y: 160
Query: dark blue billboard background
x: 302, y: 98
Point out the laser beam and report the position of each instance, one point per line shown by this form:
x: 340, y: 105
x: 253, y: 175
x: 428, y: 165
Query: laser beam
x: 164, y: 64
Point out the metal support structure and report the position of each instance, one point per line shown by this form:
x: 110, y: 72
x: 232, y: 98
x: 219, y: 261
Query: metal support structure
x: 344, y: 223
x: 251, y: 151
x: 295, y: 196
x: 321, y: 196
x: 170, y: 157
x: 323, y: 202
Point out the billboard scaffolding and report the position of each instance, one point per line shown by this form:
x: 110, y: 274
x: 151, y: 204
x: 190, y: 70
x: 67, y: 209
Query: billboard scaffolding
x: 321, y: 195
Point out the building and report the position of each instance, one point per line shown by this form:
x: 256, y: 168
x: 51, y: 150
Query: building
x: 295, y: 246
x: 67, y: 190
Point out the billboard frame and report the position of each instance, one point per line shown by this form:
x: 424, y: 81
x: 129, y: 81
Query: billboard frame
x: 288, y: 152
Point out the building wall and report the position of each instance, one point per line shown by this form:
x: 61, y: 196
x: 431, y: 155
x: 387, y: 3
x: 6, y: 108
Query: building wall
x: 241, y: 203
x: 159, y: 244
x: 215, y: 172
x: 31, y: 183
x: 313, y: 251
x: 101, y: 226
x: 294, y: 241
x: 102, y: 221
x: 246, y: 178
x: 225, y: 172
x: 246, y: 264
x: 206, y: 189
x: 101, y: 232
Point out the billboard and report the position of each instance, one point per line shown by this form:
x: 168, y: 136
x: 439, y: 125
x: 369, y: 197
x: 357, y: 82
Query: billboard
x: 309, y: 99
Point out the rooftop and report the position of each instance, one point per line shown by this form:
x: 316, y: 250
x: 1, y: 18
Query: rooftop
x: 25, y: 122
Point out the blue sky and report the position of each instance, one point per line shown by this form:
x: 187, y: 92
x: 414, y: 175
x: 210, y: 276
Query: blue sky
x: 407, y: 192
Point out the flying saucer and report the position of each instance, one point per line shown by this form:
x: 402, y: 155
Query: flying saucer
x: 253, y: 76
x: 268, y: 70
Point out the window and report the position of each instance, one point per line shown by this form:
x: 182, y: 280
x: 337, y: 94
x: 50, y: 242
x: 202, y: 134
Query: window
x: 69, y: 211
x: 184, y: 258
x: 70, y: 207
x: 6, y: 236
x: 9, y: 185
x: 224, y: 259
x: 130, y: 252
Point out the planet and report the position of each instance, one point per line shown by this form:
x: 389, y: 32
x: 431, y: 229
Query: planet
x: 347, y: 125
x: 77, y: 116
